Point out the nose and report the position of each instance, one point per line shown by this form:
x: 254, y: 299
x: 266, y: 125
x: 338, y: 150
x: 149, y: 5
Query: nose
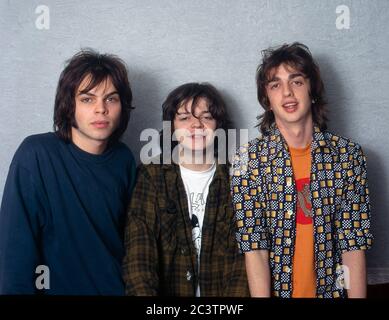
x: 101, y: 107
x: 196, y: 122
x: 287, y: 90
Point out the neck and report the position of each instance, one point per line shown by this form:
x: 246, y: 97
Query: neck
x: 197, y: 160
x: 297, y: 136
x: 196, y: 167
x: 90, y: 146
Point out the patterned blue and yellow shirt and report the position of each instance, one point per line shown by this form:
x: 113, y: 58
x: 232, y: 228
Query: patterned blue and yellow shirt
x: 264, y: 199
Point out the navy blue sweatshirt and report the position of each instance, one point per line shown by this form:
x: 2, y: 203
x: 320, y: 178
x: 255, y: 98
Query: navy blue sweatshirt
x: 65, y: 209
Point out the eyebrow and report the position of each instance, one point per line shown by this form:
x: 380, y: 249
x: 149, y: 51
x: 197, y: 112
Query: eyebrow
x: 205, y: 111
x: 186, y: 112
x: 291, y: 76
x: 295, y: 75
x: 93, y: 95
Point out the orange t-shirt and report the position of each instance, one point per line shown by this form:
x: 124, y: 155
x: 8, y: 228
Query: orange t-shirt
x: 304, y: 274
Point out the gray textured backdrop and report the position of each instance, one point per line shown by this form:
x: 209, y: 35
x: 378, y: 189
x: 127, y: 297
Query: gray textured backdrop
x: 167, y: 43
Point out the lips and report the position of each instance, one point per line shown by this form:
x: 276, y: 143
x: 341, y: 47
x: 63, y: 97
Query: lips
x: 197, y: 136
x: 100, y: 124
x: 290, y: 106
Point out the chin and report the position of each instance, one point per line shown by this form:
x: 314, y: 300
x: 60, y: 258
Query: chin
x: 192, y: 148
x: 198, y: 149
x: 102, y: 138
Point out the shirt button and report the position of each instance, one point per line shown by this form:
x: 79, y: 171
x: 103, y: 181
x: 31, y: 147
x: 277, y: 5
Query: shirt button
x: 188, y: 275
x: 183, y: 251
x: 288, y: 241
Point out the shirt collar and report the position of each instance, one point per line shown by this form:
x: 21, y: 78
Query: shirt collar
x: 275, y: 139
x: 220, y: 173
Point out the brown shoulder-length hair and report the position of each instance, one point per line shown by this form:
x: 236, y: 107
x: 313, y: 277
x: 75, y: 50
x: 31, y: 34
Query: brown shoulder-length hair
x: 195, y: 91
x: 298, y: 56
x: 98, y: 67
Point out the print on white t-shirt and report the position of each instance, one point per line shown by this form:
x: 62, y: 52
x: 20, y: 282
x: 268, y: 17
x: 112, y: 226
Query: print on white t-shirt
x: 197, y: 186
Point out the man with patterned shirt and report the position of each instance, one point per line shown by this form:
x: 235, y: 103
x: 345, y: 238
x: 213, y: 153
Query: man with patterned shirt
x: 300, y: 193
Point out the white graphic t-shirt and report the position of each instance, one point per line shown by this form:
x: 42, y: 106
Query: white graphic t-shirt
x: 197, y: 186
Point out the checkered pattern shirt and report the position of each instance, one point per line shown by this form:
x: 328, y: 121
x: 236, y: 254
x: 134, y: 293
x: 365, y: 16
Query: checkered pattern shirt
x: 264, y: 199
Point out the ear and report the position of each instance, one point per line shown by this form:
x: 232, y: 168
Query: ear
x: 313, y: 99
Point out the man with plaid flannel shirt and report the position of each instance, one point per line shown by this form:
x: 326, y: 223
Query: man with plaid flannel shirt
x: 180, y: 234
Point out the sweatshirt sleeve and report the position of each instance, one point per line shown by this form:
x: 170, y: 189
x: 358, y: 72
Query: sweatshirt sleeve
x: 20, y: 223
x: 132, y: 175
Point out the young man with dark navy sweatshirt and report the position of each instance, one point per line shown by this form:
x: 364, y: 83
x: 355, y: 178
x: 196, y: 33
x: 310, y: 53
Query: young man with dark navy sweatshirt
x: 64, y: 203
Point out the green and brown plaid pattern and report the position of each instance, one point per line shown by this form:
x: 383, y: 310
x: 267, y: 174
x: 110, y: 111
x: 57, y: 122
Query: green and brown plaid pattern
x: 160, y: 255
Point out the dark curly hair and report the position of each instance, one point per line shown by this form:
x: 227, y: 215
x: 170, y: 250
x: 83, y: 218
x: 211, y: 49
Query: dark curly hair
x: 195, y: 91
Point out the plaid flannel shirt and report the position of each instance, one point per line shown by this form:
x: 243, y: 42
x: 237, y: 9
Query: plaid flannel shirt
x: 160, y: 254
x: 264, y: 199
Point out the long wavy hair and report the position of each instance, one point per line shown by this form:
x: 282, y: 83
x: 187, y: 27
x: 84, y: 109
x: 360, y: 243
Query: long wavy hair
x: 298, y: 56
x: 98, y: 67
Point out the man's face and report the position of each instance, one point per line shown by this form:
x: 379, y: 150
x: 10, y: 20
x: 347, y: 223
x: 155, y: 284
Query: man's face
x: 195, y: 132
x: 288, y: 93
x: 97, y: 115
